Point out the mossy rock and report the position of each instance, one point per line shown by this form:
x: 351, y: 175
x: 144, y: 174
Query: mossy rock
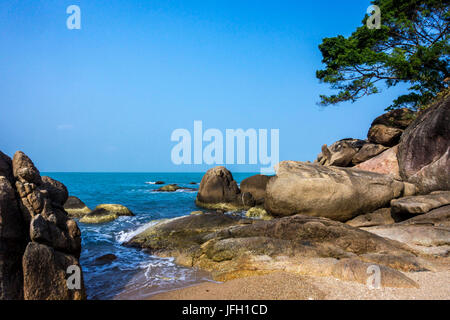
x: 258, y: 212
x: 76, y: 208
x: 196, y: 212
x: 118, y: 209
x: 99, y: 216
x: 221, y: 206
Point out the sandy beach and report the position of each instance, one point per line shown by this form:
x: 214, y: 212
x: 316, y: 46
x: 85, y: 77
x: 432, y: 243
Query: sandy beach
x: 288, y: 286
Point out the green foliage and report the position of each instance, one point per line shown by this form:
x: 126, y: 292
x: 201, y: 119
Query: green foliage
x: 412, y: 46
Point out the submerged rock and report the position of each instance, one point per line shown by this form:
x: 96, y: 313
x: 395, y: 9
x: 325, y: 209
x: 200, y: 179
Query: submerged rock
x: 75, y: 207
x: 107, y: 258
x: 231, y: 247
x: 336, y: 193
x: 172, y: 188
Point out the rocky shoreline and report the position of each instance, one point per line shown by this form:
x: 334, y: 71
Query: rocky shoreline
x: 382, y: 202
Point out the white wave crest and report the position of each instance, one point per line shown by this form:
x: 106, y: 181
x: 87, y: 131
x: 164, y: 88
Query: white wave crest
x: 150, y: 182
x: 124, y: 236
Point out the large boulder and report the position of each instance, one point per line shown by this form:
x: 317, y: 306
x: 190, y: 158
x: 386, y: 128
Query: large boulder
x: 384, y: 163
x: 231, y: 247
x: 331, y: 192
x: 75, y: 207
x: 424, y: 150
x: 218, y: 190
x: 256, y: 186
x: 388, y: 128
x: 32, y: 217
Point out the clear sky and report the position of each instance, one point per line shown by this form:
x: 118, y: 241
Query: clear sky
x: 107, y: 97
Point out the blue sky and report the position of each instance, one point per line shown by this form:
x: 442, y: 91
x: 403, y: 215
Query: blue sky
x: 107, y: 97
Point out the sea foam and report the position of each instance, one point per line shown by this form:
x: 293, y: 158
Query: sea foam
x: 124, y: 236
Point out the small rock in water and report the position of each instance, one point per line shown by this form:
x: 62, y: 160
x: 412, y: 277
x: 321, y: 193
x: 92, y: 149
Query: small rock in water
x: 159, y: 182
x: 107, y: 258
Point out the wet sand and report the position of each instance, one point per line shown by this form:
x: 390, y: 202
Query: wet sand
x: 288, y: 286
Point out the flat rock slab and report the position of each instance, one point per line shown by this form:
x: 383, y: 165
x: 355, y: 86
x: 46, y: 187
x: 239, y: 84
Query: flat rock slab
x: 420, y: 204
x: 379, y: 217
x: 232, y: 247
x: 424, y: 238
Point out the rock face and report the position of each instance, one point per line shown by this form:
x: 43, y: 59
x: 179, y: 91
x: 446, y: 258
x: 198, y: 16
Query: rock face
x: 218, y: 190
x: 45, y: 274
x: 231, y: 247
x: 331, y: 192
x: 420, y: 204
x: 13, y: 235
x: 75, y: 207
x: 37, y: 238
x: 388, y: 128
x: 384, y: 163
x: 424, y: 150
x: 256, y: 185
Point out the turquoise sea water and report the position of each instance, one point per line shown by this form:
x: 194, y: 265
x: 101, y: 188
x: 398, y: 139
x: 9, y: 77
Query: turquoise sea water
x: 135, y: 274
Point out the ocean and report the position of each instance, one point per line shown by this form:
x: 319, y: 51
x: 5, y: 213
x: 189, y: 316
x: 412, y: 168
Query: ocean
x: 135, y: 274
